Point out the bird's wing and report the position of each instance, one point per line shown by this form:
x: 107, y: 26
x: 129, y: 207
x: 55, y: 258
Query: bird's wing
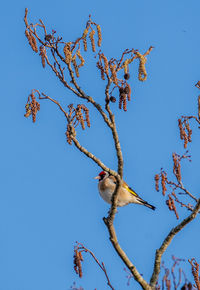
x: 125, y: 185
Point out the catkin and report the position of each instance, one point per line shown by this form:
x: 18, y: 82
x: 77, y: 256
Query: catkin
x: 114, y: 74
x: 81, y: 59
x: 157, y: 177
x: 77, y: 263
x: 28, y: 111
x: 125, y: 65
x: 128, y: 91
x: 75, y: 65
x: 106, y: 66
x: 181, y: 129
x: 43, y: 55
x: 32, y: 107
x: 123, y: 101
x: 85, y: 32
x: 163, y: 182
x: 87, y: 118
x: 195, y: 272
x: 68, y: 134
x: 100, y: 66
x: 91, y: 36
x: 32, y: 41
x: 189, y: 130
x: 99, y: 35
x: 177, y: 166
x: 142, y: 76
x: 67, y: 52
x: 79, y: 116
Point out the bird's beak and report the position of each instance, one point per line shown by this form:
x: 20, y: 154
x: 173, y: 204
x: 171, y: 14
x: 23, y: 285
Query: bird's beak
x: 97, y: 177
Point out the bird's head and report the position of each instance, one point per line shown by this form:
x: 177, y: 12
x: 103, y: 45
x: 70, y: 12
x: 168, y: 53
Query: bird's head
x: 102, y: 175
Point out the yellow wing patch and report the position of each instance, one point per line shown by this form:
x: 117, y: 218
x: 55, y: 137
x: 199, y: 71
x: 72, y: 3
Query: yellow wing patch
x: 130, y: 190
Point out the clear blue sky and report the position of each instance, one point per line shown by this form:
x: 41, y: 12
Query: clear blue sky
x: 49, y: 198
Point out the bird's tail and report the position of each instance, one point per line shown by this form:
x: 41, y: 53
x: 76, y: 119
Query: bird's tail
x: 147, y: 204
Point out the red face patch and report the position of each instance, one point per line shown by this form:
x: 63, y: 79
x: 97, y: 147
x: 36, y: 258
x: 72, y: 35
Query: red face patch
x: 102, y: 173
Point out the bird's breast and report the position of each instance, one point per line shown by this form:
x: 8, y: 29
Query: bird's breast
x: 105, y: 193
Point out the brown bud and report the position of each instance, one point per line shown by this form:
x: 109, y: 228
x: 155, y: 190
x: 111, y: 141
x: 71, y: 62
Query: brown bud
x: 112, y: 99
x: 126, y: 76
x: 48, y: 37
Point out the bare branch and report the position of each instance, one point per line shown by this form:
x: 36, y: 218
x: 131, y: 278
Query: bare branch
x: 167, y: 241
x: 93, y: 157
x: 123, y: 256
x: 181, y: 186
x: 192, y: 117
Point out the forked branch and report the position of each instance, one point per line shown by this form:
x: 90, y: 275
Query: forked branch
x: 167, y: 241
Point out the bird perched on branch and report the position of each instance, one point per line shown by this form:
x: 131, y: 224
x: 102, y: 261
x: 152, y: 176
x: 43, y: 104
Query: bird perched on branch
x: 107, y: 185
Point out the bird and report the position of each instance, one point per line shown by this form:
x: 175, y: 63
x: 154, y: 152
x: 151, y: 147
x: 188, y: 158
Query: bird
x: 127, y: 195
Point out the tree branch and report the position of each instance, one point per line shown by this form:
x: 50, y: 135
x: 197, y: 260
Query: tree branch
x: 167, y: 241
x: 114, y: 130
x: 181, y: 186
x: 123, y: 256
x: 93, y: 157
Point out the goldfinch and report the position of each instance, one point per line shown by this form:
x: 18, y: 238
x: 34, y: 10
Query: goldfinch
x: 106, y: 186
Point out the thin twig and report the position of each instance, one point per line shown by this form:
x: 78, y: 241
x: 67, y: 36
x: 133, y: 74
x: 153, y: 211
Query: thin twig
x: 56, y: 102
x: 114, y: 131
x: 181, y: 186
x: 101, y: 265
x: 191, y: 117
